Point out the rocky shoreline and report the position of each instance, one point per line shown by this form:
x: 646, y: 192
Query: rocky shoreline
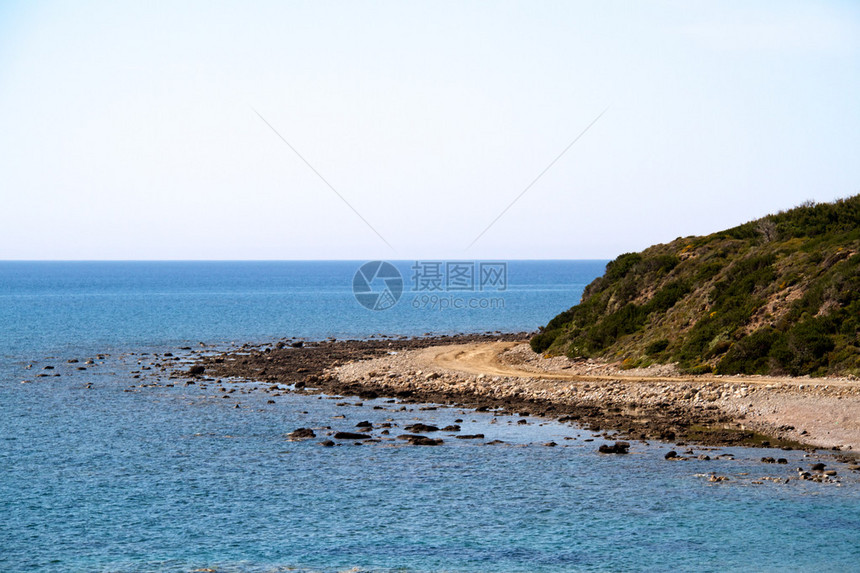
x: 674, y: 411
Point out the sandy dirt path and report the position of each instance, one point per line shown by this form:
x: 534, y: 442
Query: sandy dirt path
x: 486, y: 358
x: 822, y: 411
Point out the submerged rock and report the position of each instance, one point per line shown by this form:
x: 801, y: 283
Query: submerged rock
x: 416, y: 440
x: 302, y: 434
x: 616, y: 448
x: 421, y: 428
x: 350, y: 436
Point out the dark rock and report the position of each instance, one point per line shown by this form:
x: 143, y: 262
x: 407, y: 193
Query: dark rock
x: 297, y: 344
x: 451, y: 428
x: 819, y: 467
x: 616, y: 448
x: 423, y: 441
x: 327, y: 443
x: 301, y: 433
x: 350, y: 436
x: 364, y: 424
x: 553, y: 444
x: 670, y: 455
x: 196, y: 370
x: 768, y: 460
x: 421, y: 428
x: 470, y: 437
x: 782, y: 461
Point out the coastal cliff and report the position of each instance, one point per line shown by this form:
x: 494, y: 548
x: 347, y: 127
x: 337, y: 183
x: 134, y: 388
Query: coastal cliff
x: 779, y: 295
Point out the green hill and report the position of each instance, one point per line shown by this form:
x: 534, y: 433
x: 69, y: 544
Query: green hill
x: 779, y: 295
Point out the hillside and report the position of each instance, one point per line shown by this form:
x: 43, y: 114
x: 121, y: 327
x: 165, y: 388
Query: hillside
x: 779, y: 295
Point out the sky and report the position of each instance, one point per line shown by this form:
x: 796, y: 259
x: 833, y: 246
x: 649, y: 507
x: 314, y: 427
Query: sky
x: 403, y: 130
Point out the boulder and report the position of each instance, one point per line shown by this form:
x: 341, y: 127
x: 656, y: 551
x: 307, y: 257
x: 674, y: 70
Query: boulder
x: 301, y: 434
x: 423, y: 441
x: 616, y: 448
x: 421, y: 428
x: 350, y: 436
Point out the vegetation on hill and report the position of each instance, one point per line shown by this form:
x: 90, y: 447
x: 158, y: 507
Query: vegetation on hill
x: 779, y: 295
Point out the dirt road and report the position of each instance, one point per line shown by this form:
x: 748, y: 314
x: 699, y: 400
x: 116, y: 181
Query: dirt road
x: 489, y: 359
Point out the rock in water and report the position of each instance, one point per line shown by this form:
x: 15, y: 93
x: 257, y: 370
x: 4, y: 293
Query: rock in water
x: 421, y: 440
x: 421, y: 428
x: 350, y: 436
x: 302, y: 434
x: 616, y: 448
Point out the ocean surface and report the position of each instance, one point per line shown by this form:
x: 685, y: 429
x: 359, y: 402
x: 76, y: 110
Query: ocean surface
x: 103, y: 470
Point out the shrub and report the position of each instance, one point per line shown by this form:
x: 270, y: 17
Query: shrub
x: 750, y: 354
x: 544, y: 340
x: 803, y: 349
x: 657, y: 347
x: 699, y: 369
x: 621, y: 266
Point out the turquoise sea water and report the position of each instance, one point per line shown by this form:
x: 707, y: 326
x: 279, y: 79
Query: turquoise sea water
x: 99, y: 473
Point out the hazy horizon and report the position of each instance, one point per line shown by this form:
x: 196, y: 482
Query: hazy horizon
x: 329, y: 131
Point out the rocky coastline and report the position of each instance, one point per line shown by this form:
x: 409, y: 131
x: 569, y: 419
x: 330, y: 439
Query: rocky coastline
x: 654, y: 406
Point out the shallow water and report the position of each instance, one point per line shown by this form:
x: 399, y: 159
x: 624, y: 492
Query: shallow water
x: 119, y: 477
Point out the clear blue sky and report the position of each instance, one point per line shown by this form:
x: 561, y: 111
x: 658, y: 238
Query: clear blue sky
x: 128, y: 131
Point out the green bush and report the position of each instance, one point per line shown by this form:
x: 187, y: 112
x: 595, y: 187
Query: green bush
x: 657, y: 347
x: 621, y: 266
x: 543, y: 340
x: 699, y: 369
x: 804, y: 348
x: 750, y: 354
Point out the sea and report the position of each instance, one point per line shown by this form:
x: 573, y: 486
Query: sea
x: 107, y: 465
